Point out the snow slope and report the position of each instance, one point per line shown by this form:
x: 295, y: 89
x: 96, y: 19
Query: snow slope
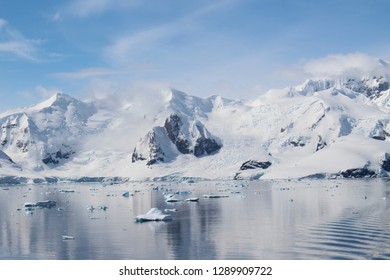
x: 322, y: 128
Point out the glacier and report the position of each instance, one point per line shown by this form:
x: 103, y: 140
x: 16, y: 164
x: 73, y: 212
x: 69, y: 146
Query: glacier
x: 324, y: 128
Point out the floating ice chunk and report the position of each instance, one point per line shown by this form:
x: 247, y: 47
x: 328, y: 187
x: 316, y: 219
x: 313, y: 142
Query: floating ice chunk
x: 171, y: 198
x: 46, y: 204
x: 183, y: 192
x: 153, y: 214
x: 193, y: 199
x: 43, y: 204
x: 66, y: 191
x: 102, y: 207
x: 214, y: 196
x: 127, y: 194
x: 66, y: 237
x: 29, y: 204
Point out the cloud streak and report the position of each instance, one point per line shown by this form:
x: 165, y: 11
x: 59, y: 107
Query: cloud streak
x: 89, y: 73
x: 86, y: 8
x: 15, y: 44
x: 352, y: 64
x: 127, y: 46
x: 335, y: 66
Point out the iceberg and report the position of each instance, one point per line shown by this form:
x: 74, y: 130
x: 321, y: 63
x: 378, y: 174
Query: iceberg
x: 153, y: 214
x: 66, y: 237
x: 214, y: 196
x: 42, y: 204
x: 170, y: 198
x: 183, y: 192
x: 46, y: 204
x: 127, y: 194
x: 66, y: 191
x: 193, y: 199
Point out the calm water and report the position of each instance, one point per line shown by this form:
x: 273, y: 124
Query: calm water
x: 259, y: 220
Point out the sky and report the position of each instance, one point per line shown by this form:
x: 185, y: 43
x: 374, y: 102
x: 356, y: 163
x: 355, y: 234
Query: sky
x: 233, y: 48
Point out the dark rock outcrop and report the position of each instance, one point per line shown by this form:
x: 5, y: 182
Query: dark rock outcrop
x: 56, y: 157
x: 248, y: 170
x: 386, y: 163
x: 174, y: 128
x: 178, y: 135
x: 253, y: 164
x: 153, y: 153
x: 321, y: 143
x: 359, y: 173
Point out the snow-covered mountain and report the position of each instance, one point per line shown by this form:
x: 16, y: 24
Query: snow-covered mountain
x: 322, y: 128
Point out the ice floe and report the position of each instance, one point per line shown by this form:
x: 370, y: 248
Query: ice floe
x: 214, y: 196
x: 153, y: 214
x: 42, y: 204
x: 192, y: 199
x: 66, y: 237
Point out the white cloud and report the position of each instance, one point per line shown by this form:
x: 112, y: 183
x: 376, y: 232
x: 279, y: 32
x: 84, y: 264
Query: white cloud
x: 352, y: 64
x: 85, y: 8
x: 15, y: 44
x: 152, y: 39
x: 3, y: 23
x: 46, y: 92
x: 126, y: 46
x: 334, y: 66
x: 89, y: 73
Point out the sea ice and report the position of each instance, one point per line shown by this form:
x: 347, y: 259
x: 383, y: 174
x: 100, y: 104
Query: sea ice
x: 170, y: 198
x: 66, y: 237
x: 127, y: 194
x: 43, y: 204
x: 193, y: 199
x: 66, y: 191
x: 153, y: 214
x: 183, y: 192
x: 214, y: 196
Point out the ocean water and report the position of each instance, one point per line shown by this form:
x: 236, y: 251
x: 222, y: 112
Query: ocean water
x: 276, y: 220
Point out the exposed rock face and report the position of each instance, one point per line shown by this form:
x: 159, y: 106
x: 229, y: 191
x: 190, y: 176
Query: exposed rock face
x: 386, y: 163
x: 252, y: 170
x: 321, y: 144
x: 149, y: 148
x: 56, y: 157
x: 177, y: 136
x: 253, y: 164
x: 359, y: 173
x: 206, y: 146
x: 372, y: 87
x: 174, y: 128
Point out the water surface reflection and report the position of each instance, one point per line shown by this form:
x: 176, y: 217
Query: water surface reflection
x: 258, y: 220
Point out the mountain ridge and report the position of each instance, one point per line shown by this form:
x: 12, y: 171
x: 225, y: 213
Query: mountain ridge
x: 324, y: 128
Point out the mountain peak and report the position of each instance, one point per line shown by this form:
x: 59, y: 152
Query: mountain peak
x: 58, y: 99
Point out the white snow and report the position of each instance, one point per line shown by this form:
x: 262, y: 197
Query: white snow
x: 153, y: 214
x: 321, y: 126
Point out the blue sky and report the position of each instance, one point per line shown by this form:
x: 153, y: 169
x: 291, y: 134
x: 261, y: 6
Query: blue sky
x: 233, y: 48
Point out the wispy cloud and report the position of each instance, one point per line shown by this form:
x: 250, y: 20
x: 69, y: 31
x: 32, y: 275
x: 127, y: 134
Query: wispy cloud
x: 85, y: 8
x: 124, y: 47
x: 14, y: 44
x: 336, y: 66
x: 352, y: 64
x: 148, y: 39
x: 46, y: 92
x: 89, y: 72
